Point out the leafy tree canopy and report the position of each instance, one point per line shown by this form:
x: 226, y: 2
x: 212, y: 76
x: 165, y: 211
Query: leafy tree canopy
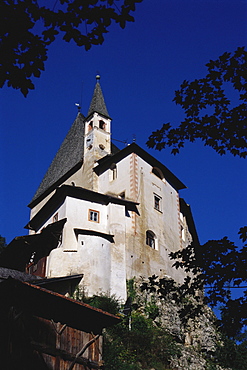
x: 137, y: 342
x: 219, y: 266
x: 27, y: 28
x: 209, y: 114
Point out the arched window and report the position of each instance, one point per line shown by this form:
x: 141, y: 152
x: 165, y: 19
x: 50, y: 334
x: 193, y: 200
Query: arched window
x: 102, y: 125
x: 150, y: 239
x: 157, y: 172
x: 90, y: 126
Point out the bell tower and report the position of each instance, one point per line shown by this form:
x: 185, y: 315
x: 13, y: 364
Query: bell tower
x: 97, y: 136
x: 97, y: 126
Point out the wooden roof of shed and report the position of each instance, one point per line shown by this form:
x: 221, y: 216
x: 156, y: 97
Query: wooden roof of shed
x: 50, y: 305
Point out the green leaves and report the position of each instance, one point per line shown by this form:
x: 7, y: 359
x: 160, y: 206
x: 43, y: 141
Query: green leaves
x: 218, y: 266
x: 27, y: 29
x: 209, y: 113
x: 144, y: 346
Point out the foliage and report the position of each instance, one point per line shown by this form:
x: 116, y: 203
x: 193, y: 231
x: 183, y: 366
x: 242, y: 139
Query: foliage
x: 209, y: 113
x: 216, y: 266
x: 219, y: 265
x: 102, y: 301
x: 229, y: 354
x: 137, y: 342
x: 183, y: 295
x: 143, y: 346
x: 28, y: 28
x: 2, y: 243
x: 131, y: 288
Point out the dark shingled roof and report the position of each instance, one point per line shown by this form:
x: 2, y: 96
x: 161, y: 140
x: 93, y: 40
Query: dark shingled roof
x: 98, y: 102
x: 68, y: 156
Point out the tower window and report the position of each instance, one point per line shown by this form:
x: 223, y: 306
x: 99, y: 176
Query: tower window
x: 90, y: 126
x: 102, y: 125
x: 93, y: 215
x: 113, y: 173
x: 150, y: 239
x: 157, y: 202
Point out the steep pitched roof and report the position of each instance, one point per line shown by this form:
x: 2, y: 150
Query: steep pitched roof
x: 98, y: 102
x: 68, y: 156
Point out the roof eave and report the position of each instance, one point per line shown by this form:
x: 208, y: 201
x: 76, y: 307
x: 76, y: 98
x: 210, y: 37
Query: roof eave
x: 103, y: 163
x: 76, y: 192
x: 50, y: 305
x: 98, y: 112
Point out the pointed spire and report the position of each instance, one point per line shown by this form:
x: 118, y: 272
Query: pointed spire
x: 98, y: 102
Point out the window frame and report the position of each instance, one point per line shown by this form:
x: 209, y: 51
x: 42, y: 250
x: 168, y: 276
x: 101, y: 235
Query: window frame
x: 93, y: 211
x: 151, y: 239
x: 157, y: 201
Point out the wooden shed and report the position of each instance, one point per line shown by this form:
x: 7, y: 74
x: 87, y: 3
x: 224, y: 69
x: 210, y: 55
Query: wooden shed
x: 42, y: 329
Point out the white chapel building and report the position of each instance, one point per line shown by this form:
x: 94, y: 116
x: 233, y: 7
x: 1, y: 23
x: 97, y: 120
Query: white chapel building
x: 122, y: 208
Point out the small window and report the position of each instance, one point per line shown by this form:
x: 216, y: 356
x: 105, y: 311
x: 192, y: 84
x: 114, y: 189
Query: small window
x: 55, y: 218
x: 90, y: 126
x: 150, y: 239
x: 102, y: 125
x: 157, y: 202
x: 113, y: 171
x: 183, y: 233
x: 93, y: 215
x: 157, y: 172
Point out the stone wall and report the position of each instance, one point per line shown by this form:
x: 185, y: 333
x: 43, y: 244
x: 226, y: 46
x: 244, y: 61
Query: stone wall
x: 197, y: 338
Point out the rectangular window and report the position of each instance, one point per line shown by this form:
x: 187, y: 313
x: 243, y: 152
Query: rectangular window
x: 93, y: 215
x: 183, y: 233
x: 150, y: 239
x: 157, y: 202
x: 113, y: 171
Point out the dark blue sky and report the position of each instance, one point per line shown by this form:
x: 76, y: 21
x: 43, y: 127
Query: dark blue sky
x: 140, y: 69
